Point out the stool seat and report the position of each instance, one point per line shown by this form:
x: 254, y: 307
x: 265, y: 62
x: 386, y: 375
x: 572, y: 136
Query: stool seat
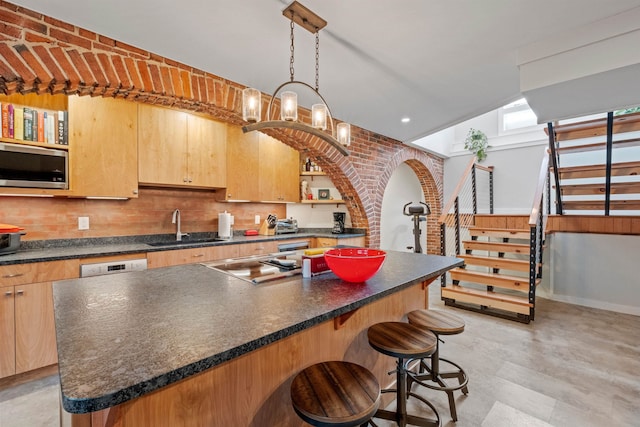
x: 400, y: 339
x: 437, y: 321
x: 335, y: 393
x: 404, y: 342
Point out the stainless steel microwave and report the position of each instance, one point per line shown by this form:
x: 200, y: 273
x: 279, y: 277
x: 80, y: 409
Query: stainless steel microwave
x: 26, y: 166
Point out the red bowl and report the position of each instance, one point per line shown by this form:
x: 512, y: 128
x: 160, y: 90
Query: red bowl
x: 354, y: 264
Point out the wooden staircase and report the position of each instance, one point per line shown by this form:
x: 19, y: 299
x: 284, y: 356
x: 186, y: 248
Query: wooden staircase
x: 496, y: 275
x: 611, y: 185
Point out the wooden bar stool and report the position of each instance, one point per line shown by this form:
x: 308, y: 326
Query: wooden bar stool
x: 404, y: 342
x: 440, y: 323
x: 335, y: 394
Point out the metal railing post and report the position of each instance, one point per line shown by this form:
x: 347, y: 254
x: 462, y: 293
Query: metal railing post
x: 491, y: 191
x: 607, y: 192
x: 457, y: 224
x: 443, y: 250
x: 554, y: 162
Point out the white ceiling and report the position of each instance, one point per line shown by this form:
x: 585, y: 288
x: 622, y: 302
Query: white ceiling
x: 438, y: 62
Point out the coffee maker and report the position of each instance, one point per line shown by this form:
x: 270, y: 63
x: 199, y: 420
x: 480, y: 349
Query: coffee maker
x: 338, y: 222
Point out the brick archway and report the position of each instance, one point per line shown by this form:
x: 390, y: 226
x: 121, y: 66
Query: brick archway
x: 44, y: 55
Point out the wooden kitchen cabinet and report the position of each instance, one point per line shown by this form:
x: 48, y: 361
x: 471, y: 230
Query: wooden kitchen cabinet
x: 103, y: 136
x: 35, y: 327
x: 243, y: 158
x: 330, y: 242
x: 176, y: 149
x: 258, y: 248
x: 260, y: 168
x: 27, y: 331
x: 7, y: 332
x: 278, y: 171
x: 190, y: 255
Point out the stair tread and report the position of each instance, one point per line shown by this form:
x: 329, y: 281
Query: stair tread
x: 600, y: 188
x: 490, y: 275
x: 476, y: 245
x: 491, y: 258
x: 596, y: 127
x: 515, y: 230
x: 632, y: 142
x: 492, y: 295
x: 585, y: 205
x: 599, y: 167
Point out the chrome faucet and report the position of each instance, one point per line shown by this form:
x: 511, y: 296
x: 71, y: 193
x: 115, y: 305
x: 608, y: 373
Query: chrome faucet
x: 176, y: 220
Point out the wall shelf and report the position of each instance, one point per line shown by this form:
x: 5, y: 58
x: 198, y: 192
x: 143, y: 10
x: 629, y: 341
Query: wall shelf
x: 322, y: 202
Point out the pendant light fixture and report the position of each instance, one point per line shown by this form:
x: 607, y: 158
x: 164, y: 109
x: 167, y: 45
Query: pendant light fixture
x: 321, y: 117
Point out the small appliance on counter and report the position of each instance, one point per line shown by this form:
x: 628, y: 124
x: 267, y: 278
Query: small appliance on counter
x: 338, y: 222
x: 10, y: 238
x: 284, y: 226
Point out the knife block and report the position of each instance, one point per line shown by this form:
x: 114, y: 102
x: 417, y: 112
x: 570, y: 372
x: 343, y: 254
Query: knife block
x: 265, y: 230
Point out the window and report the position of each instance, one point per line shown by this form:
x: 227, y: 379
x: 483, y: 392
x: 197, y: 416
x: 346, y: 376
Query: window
x: 516, y: 117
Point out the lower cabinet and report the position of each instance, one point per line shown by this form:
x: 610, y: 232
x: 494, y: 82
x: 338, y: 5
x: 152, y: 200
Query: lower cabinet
x: 330, y: 242
x: 190, y: 256
x: 27, y: 328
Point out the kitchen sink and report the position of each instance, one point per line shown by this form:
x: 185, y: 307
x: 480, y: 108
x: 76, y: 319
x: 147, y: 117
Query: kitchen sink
x: 187, y: 242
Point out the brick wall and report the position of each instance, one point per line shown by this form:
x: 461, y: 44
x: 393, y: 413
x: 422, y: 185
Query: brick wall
x: 41, y: 54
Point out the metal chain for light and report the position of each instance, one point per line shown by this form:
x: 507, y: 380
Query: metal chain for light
x: 317, y: 60
x: 292, y: 49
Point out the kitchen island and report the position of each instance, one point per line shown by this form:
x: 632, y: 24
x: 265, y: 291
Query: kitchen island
x: 188, y: 345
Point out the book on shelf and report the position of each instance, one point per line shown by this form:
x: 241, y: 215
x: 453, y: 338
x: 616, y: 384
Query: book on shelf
x: 5, y: 120
x: 63, y: 127
x: 18, y: 123
x: 11, y: 118
x: 27, y: 129
x: 41, y: 128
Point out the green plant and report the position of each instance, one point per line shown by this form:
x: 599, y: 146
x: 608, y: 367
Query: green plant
x: 477, y: 142
x: 627, y: 111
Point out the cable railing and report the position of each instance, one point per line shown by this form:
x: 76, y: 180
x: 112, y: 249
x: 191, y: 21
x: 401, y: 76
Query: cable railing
x: 472, y: 195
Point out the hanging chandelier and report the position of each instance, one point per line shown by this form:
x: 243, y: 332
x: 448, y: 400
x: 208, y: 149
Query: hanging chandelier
x: 321, y: 117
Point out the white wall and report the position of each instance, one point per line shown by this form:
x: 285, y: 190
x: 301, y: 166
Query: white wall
x: 514, y: 177
x: 396, y: 229
x: 317, y: 216
x: 595, y: 270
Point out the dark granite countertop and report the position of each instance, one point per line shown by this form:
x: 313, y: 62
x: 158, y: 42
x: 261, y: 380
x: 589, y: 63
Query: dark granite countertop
x: 62, y: 249
x: 125, y: 335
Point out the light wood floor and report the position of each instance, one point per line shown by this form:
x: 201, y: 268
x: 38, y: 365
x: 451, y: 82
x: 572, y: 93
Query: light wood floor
x: 572, y: 366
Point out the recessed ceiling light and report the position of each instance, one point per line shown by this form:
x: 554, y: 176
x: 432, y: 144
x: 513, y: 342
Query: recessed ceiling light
x: 406, y: 120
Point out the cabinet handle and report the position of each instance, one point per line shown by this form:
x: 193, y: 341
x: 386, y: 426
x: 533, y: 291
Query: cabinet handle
x: 20, y: 292
x: 198, y: 256
x: 8, y: 294
x: 184, y: 179
x: 11, y: 276
x: 190, y: 180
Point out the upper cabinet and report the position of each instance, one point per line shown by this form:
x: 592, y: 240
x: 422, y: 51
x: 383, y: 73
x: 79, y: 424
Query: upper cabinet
x: 103, y: 147
x: 243, y: 160
x: 260, y: 168
x: 279, y: 165
x: 177, y: 149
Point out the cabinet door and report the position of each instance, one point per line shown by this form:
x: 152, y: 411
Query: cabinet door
x: 278, y: 171
x: 190, y: 256
x: 242, y: 165
x: 35, y: 327
x: 7, y: 332
x: 258, y: 248
x: 103, y: 147
x: 207, y: 148
x: 162, y: 146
